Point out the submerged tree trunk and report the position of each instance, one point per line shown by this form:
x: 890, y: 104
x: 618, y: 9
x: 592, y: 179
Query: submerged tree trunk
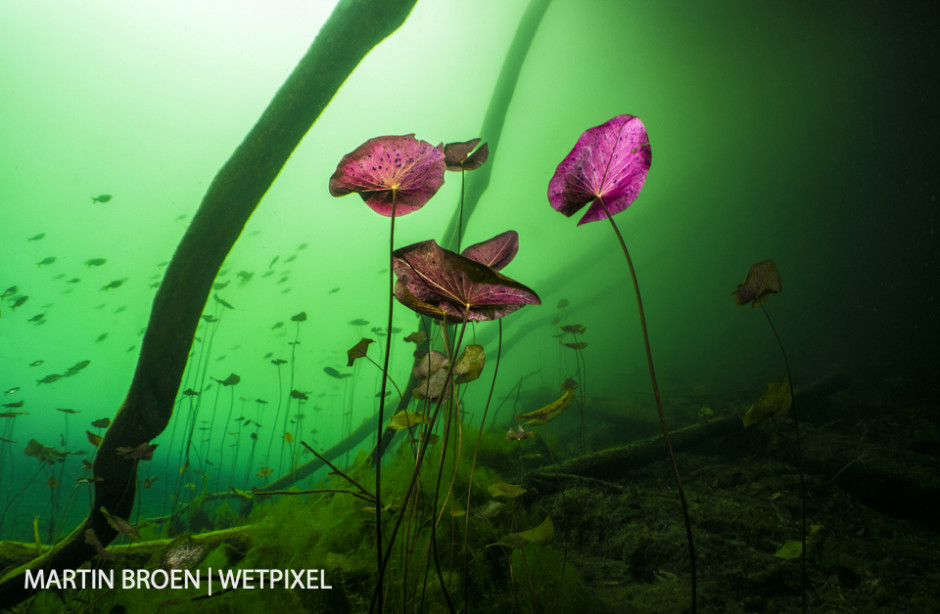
x: 354, y: 28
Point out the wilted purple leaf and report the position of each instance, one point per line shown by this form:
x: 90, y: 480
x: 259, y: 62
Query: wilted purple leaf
x: 387, y: 168
x: 457, y: 155
x: 496, y: 252
x: 445, y: 285
x: 609, y: 163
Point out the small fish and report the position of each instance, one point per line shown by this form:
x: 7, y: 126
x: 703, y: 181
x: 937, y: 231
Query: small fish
x: 101, y: 423
x: 12, y: 390
x: 117, y: 283
x: 181, y: 216
x: 271, y: 264
x: 225, y: 304
x: 37, y: 237
x: 563, y: 303
x: 101, y: 198
x: 18, y: 302
x: 359, y: 322
x: 121, y: 309
x: 221, y: 285
x: 36, y: 363
x: 334, y: 290
x: 290, y: 258
x: 46, y: 260
x: 74, y: 280
x: 334, y: 373
x: 37, y: 318
x: 49, y: 379
x: 245, y: 276
x: 94, y: 262
x: 101, y: 337
x: 261, y: 402
x: 277, y: 325
x: 9, y: 292
x: 76, y: 368
x: 301, y: 247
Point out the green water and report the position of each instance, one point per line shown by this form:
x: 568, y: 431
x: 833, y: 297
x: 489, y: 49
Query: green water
x: 802, y: 132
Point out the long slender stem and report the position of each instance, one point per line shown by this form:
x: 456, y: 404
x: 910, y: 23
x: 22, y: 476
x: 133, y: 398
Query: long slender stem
x: 799, y: 461
x: 659, y: 405
x: 381, y: 424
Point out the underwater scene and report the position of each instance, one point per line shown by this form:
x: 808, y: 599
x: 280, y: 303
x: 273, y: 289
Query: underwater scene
x: 434, y: 306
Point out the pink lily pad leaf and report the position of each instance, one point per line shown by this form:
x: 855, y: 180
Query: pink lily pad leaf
x: 391, y: 170
x: 448, y: 286
x: 457, y: 156
x: 607, y: 167
x: 495, y: 253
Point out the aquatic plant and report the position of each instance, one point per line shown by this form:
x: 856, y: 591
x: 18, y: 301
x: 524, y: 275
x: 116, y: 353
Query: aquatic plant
x: 462, y: 157
x: 453, y: 288
x: 763, y: 279
x: 394, y: 175
x: 607, y: 169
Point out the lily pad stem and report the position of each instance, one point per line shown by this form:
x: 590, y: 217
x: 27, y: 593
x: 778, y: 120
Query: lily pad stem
x: 659, y: 403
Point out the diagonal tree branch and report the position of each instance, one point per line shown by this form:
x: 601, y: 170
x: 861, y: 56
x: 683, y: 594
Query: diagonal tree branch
x: 354, y: 28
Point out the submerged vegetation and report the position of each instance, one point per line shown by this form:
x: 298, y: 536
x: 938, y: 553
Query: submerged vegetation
x: 414, y: 468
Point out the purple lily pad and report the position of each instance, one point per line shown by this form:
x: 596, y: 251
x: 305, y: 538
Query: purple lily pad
x: 457, y: 156
x: 387, y: 169
x: 495, y: 253
x: 608, y: 164
x: 447, y: 286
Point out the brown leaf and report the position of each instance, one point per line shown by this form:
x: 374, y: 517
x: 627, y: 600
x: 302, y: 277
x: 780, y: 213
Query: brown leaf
x: 762, y: 280
x: 358, y: 350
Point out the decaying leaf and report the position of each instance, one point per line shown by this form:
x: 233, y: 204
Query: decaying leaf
x: 52, y: 482
x: 549, y: 412
x: 775, y: 401
x: 580, y: 345
x: 519, y: 434
x: 541, y: 535
x: 265, y: 472
x: 469, y: 364
x: 429, y: 363
x: 488, y: 509
x: 502, y: 489
x: 432, y: 387
x: 417, y: 337
x: 101, y: 423
x: 288, y: 437
x: 358, y: 350
x: 407, y: 419
x: 762, y: 280
x: 790, y: 550
x: 93, y: 439
x: 574, y: 329
x: 120, y: 525
x: 142, y: 451
x: 92, y: 540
